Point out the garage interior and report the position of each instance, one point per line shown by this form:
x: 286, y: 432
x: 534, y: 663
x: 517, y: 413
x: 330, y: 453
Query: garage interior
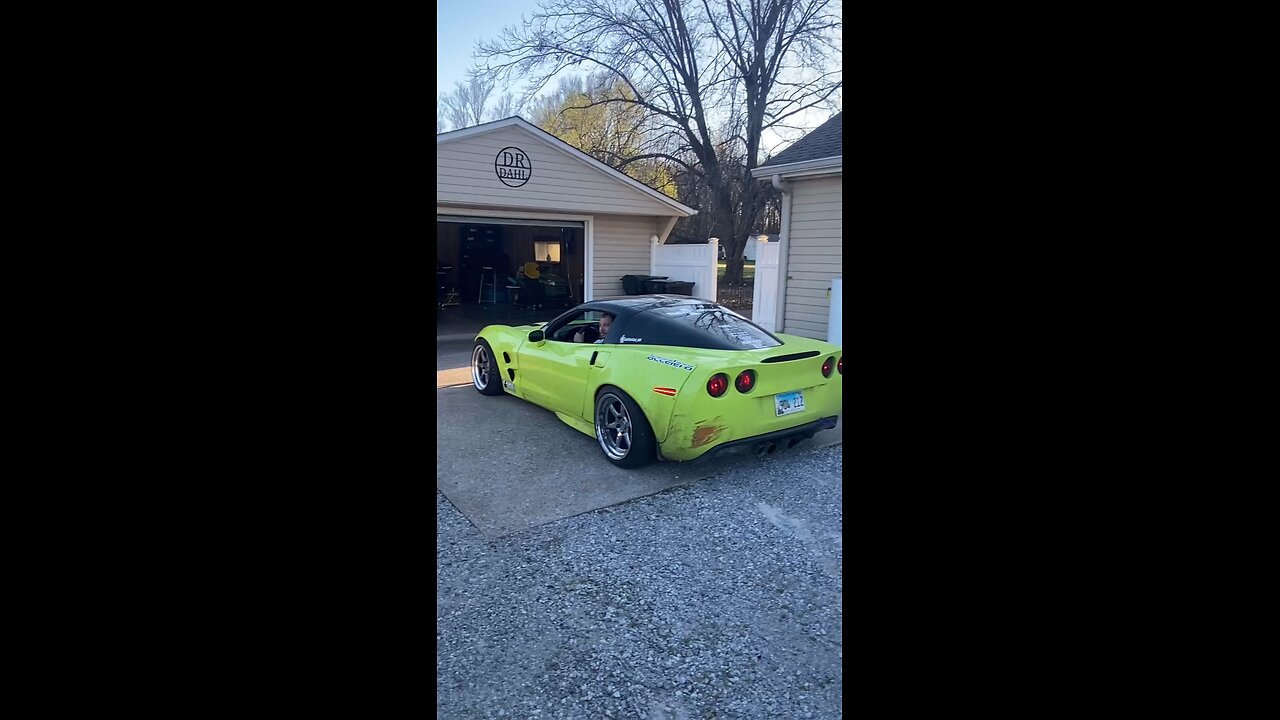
x: 522, y: 264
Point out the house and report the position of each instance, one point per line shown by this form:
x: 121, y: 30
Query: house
x: 809, y: 174
x: 509, y: 194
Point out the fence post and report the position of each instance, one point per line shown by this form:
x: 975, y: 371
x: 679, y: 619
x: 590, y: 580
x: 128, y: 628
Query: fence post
x: 715, y: 270
x: 764, y: 289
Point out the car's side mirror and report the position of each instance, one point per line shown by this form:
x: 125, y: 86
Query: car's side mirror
x: 536, y: 336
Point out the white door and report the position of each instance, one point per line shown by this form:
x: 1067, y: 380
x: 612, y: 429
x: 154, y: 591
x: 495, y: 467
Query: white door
x: 835, y: 316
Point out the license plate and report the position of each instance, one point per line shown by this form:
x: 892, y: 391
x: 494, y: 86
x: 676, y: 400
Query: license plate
x: 787, y: 403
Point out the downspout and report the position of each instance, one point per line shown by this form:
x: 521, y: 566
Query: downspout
x: 784, y: 235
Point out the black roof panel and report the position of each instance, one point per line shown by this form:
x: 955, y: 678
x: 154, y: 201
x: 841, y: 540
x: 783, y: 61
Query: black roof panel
x: 681, y: 321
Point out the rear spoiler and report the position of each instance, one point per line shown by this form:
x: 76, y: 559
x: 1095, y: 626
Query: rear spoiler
x: 792, y: 356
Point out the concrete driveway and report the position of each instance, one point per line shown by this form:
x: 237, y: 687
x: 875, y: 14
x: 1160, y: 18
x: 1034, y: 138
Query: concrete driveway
x: 508, y: 465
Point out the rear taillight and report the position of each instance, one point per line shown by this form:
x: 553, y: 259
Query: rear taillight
x: 718, y: 384
x: 826, y: 367
x: 840, y: 366
x: 746, y: 380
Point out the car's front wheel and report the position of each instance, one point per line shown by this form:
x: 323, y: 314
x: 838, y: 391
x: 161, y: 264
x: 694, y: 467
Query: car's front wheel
x: 622, y: 430
x: 484, y: 369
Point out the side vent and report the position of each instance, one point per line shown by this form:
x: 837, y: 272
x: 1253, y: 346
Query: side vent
x: 506, y: 358
x: 792, y: 356
x: 511, y: 374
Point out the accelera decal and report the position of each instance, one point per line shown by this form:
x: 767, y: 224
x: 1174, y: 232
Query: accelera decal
x: 669, y: 361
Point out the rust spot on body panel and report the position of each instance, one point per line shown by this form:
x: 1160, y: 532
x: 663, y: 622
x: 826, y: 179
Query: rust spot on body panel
x: 704, y: 434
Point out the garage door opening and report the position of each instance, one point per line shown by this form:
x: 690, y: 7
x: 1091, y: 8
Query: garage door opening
x: 522, y: 264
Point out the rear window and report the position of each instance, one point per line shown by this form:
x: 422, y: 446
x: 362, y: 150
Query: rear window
x: 705, y: 326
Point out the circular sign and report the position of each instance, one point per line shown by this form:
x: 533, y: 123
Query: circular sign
x: 512, y: 166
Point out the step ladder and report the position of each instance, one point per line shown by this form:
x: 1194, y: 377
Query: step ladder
x: 488, y: 280
x: 452, y: 297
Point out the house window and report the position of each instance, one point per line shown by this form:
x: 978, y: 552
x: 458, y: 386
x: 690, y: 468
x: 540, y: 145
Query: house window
x: 546, y: 251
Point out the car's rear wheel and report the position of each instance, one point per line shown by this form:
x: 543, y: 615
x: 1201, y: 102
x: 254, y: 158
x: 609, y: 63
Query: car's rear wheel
x: 622, y: 430
x: 484, y: 369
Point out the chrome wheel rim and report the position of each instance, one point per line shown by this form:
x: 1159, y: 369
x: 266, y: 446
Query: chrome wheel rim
x: 480, y: 367
x: 613, y: 426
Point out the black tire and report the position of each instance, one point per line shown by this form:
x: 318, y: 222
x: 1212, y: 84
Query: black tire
x: 484, y: 369
x: 622, y: 430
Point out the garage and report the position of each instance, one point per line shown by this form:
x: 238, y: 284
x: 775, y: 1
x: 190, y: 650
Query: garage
x: 525, y: 220
x: 524, y: 262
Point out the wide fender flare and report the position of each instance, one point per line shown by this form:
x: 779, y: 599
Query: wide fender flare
x: 505, y: 341
x: 638, y: 378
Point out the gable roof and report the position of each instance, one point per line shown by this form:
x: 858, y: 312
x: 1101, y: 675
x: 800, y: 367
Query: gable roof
x: 824, y: 143
x: 555, y: 142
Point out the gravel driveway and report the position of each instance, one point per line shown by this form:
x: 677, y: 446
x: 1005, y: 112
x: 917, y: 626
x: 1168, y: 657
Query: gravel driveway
x: 720, y: 599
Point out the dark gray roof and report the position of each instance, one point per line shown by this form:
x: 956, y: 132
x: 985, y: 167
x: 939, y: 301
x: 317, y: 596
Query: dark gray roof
x: 826, y: 141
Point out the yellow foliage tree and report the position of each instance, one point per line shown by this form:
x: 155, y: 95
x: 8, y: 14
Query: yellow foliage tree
x: 583, y: 113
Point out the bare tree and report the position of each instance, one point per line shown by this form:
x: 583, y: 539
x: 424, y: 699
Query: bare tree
x: 465, y: 106
x: 455, y: 112
x: 503, y: 107
x: 443, y: 113
x: 610, y: 132
x: 713, y: 75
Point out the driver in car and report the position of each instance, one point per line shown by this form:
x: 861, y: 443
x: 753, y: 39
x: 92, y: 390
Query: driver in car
x: 606, y: 320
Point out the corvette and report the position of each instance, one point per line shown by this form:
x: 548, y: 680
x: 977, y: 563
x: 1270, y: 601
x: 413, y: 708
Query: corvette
x: 675, y: 378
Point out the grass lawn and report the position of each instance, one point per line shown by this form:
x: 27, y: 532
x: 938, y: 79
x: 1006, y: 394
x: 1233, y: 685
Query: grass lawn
x: 748, y: 271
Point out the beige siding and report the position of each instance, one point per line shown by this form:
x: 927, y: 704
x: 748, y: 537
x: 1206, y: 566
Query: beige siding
x: 621, y: 248
x: 815, y: 255
x: 559, y: 182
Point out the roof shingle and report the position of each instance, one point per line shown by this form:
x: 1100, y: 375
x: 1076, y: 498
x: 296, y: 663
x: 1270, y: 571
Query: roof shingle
x: 826, y: 141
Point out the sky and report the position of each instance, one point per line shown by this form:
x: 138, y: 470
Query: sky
x: 462, y: 23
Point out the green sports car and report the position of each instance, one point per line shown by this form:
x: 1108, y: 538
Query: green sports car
x: 672, y: 378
